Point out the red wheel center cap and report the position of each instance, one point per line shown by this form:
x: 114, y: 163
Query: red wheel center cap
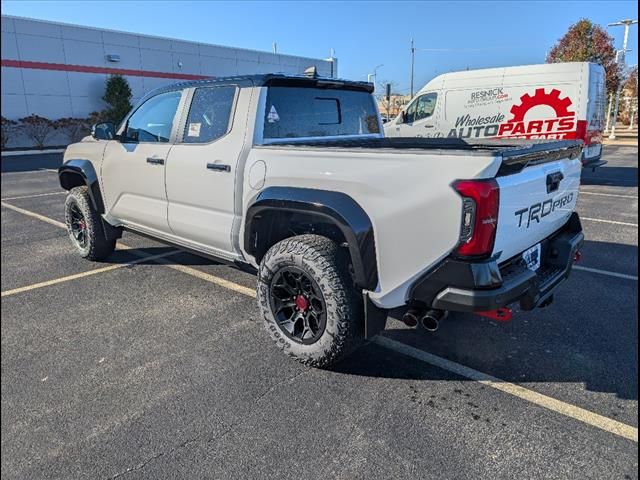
x: 302, y: 303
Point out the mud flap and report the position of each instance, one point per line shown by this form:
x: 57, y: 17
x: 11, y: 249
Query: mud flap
x: 375, y: 318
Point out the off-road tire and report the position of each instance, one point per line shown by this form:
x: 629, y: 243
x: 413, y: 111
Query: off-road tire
x: 327, y: 265
x: 98, y: 246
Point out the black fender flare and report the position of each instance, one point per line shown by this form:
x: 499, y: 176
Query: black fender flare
x: 336, y: 208
x: 76, y: 172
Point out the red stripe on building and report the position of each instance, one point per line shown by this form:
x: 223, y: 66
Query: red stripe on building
x: 62, y: 67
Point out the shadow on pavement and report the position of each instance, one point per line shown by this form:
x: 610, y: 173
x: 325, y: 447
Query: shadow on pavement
x: 587, y: 336
x: 611, y: 176
x: 181, y: 257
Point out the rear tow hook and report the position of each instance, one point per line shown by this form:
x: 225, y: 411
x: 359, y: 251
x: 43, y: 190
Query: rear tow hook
x: 503, y: 314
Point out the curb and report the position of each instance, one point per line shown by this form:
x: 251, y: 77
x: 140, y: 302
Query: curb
x: 31, y: 152
x: 621, y: 143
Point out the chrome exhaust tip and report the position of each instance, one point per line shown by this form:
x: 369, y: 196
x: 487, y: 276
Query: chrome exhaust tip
x: 410, y: 318
x: 430, y: 321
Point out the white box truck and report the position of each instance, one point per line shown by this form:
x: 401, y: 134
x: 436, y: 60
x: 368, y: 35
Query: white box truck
x: 557, y: 101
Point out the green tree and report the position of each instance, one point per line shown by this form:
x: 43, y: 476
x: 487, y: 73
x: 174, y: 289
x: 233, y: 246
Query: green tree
x: 588, y: 42
x: 117, y: 95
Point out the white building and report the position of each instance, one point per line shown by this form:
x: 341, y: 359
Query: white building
x: 58, y: 70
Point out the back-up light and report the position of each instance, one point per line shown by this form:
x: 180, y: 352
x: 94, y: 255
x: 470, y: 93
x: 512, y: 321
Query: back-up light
x: 480, y: 202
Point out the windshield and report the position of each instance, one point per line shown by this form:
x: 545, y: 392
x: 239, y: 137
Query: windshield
x: 298, y: 112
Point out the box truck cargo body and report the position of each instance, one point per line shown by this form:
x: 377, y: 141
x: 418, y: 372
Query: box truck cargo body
x: 550, y: 101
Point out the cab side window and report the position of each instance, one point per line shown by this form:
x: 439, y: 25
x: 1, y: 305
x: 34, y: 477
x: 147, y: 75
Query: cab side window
x: 425, y: 106
x: 153, y: 120
x: 210, y: 114
x: 411, y: 112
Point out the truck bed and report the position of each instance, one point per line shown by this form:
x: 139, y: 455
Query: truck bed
x: 413, y: 143
x: 516, y: 154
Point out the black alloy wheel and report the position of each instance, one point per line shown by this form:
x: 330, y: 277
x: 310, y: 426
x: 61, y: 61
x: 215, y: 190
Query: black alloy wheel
x: 297, y: 305
x: 78, y: 226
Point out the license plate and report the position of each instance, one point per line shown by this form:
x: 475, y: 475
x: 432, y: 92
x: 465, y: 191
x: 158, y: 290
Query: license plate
x: 592, y: 151
x: 532, y: 257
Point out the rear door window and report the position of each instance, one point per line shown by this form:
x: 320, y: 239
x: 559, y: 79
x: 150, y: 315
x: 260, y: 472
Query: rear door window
x: 210, y: 114
x: 299, y: 112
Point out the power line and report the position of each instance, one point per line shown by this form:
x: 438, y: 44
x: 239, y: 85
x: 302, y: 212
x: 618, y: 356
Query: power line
x: 491, y: 49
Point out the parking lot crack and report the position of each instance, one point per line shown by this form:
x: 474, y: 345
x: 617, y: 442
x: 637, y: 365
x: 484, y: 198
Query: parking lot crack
x: 279, y: 384
x: 158, y: 455
x: 198, y: 438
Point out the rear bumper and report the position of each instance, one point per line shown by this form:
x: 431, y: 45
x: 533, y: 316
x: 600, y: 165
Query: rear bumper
x: 457, y: 285
x: 593, y: 161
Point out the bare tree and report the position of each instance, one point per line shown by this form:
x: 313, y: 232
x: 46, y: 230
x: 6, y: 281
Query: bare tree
x: 74, y: 128
x: 37, y: 128
x: 8, y: 129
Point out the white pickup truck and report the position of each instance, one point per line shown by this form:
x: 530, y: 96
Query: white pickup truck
x: 292, y: 176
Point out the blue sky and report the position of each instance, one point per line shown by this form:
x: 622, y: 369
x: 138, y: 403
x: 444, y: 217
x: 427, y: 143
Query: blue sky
x: 362, y: 33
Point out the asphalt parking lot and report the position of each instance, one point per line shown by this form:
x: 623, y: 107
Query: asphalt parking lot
x: 154, y: 365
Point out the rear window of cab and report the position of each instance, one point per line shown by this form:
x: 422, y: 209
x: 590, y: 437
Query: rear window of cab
x: 299, y: 112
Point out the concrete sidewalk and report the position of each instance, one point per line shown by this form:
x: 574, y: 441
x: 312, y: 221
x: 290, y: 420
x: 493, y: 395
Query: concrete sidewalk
x: 624, y: 136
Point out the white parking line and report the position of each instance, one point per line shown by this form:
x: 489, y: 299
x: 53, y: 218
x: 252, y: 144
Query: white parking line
x: 605, y: 272
x: 35, y: 195
x: 599, y: 220
x: 29, y: 213
x: 75, y: 276
x: 580, y: 414
x: 566, y: 409
x: 582, y: 192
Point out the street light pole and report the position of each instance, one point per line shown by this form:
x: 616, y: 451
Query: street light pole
x: 373, y: 77
x: 627, y: 23
x: 413, y: 57
x: 606, y: 128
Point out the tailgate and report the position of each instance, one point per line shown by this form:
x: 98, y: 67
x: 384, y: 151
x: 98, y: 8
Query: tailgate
x: 538, y: 199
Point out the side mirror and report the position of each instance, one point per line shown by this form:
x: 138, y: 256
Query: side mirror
x: 103, y: 131
x: 402, y: 118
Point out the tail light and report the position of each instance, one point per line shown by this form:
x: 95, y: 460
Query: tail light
x: 589, y: 137
x: 480, y: 202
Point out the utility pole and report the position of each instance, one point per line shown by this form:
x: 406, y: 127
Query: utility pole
x: 413, y: 57
x: 626, y: 23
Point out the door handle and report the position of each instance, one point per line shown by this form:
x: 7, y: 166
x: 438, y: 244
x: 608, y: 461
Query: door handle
x: 553, y: 181
x: 429, y: 126
x: 218, y: 167
x: 155, y: 160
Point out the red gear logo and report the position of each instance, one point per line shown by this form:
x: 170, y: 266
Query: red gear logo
x: 552, y: 99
